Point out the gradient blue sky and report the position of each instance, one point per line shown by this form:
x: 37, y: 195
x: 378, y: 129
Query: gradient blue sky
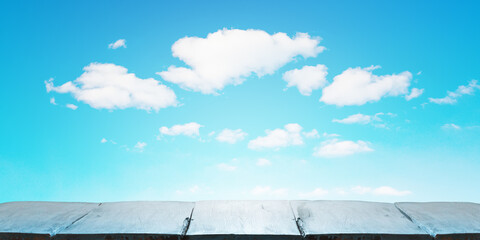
x: 422, y: 151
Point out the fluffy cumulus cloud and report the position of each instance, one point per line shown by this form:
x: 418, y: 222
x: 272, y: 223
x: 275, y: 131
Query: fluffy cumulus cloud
x: 336, y: 148
x: 383, y: 191
x: 109, y: 86
x: 451, y: 97
x: 228, y: 56
x: 307, y: 79
x: 288, y: 136
x: 231, y: 136
x: 117, y: 44
x: 414, y: 93
x: 189, y: 129
x: 357, y: 86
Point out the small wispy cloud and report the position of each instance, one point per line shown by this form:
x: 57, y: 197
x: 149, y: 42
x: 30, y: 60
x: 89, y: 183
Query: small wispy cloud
x: 71, y: 106
x: 117, y: 44
x: 263, y: 162
x: 52, y: 101
x: 452, y: 97
x: 189, y: 129
x: 140, y: 146
x: 451, y: 126
x: 414, y: 93
x: 231, y: 136
x: 226, y: 167
x: 336, y: 148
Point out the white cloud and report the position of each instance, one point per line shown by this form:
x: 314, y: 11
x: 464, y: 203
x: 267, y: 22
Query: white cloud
x: 189, y: 129
x: 365, y: 119
x: 451, y: 126
x: 311, y: 134
x: 307, y: 79
x: 117, y: 44
x: 389, y: 191
x: 228, y: 56
x: 356, y: 118
x: 231, y: 136
x: 336, y: 148
x: 357, y: 86
x: 414, y: 93
x: 226, y: 167
x: 277, y: 138
x: 263, y: 162
x: 52, y: 101
x: 451, y: 97
x: 330, y: 135
x: 267, y: 190
x: 316, y: 193
x: 109, y: 86
x: 361, y: 190
x: 104, y: 140
x: 140, y: 146
x: 194, y: 189
x: 383, y: 190
x: 71, y: 106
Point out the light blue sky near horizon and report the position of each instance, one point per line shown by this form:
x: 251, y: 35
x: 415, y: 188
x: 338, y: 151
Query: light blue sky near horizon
x: 50, y: 152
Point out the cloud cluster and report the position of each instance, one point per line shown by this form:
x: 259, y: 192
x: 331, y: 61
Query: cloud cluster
x: 288, y: 136
x: 109, y: 86
x: 191, y: 129
x: 336, y: 148
x: 357, y: 86
x: 228, y: 56
x: 307, y: 79
x: 231, y: 136
x: 451, y: 97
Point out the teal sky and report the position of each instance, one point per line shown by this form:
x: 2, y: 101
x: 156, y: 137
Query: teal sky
x: 197, y: 100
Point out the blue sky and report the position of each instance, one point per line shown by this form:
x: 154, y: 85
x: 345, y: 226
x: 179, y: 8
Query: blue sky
x: 182, y: 100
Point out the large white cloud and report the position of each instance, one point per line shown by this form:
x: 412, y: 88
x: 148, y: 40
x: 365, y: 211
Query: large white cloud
x: 335, y: 148
x: 231, y: 136
x: 109, y: 86
x: 228, y: 56
x: 357, y: 86
x: 451, y: 97
x: 307, y: 79
x: 189, y: 129
x: 277, y: 138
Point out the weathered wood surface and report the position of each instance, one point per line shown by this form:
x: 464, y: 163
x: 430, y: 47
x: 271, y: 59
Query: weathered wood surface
x: 353, y: 218
x: 445, y: 218
x: 265, y: 220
